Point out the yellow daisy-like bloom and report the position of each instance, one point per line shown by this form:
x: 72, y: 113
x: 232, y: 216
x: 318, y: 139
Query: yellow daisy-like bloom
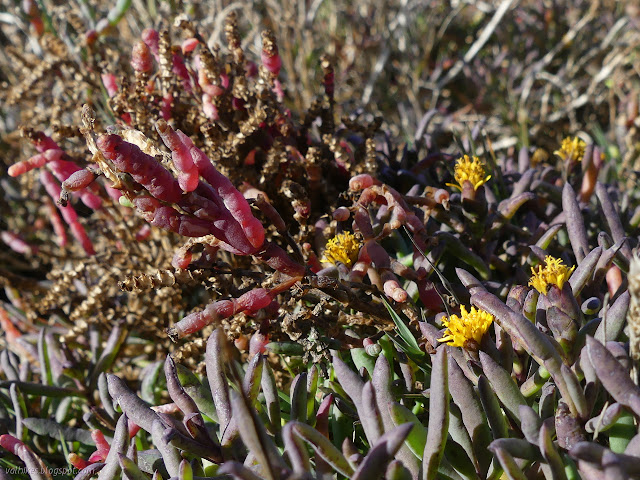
x: 571, y: 149
x: 471, y: 169
x: 466, y: 331
x: 552, y: 273
x: 343, y: 248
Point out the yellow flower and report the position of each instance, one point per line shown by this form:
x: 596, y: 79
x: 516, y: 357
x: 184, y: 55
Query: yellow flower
x: 471, y: 169
x: 466, y: 331
x: 553, y: 273
x: 343, y: 248
x: 571, y: 149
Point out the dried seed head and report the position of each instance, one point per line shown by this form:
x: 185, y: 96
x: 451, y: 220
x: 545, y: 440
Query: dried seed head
x: 270, y: 57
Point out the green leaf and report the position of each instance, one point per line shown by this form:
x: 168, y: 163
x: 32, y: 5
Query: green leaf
x: 409, y: 344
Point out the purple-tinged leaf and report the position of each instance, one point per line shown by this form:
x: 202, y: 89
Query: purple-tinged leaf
x: 88, y: 472
x: 601, y: 456
x: 186, y: 472
x: 605, y: 419
x: 503, y: 385
x: 215, y: 359
x: 182, y: 442
x: 298, y: 395
x: 19, y: 411
x: 613, y: 376
x: 255, y: 436
x: 170, y: 455
x: 107, y: 402
x: 271, y: 398
x: 547, y: 237
x: 349, y: 380
x: 9, y: 367
x: 517, y: 447
x: 33, y: 388
x: 575, y: 390
x: 612, y: 218
x: 614, y: 319
x: 523, y: 184
x: 547, y: 402
x: 459, y: 450
x: 633, y: 447
x: 509, y: 207
x: 130, y: 470
x: 550, y: 453
x: 492, y: 409
x: 438, y: 415
x: 150, y: 375
x: 530, y: 423
x: 584, y: 271
x: 575, y: 223
x: 323, y: 447
x: 119, y: 445
x: 473, y: 418
x: 35, y: 467
x: 370, y: 415
x: 381, y: 379
x: 51, y: 428
x: 374, y: 464
x: 237, y: 471
x: 135, y: 408
x: 469, y: 281
x: 509, y: 465
x: 183, y: 401
x: 295, y: 449
x: 252, y: 378
x: 397, y: 471
x: 521, y: 330
x: 605, y: 261
x: 193, y: 419
x: 116, y: 338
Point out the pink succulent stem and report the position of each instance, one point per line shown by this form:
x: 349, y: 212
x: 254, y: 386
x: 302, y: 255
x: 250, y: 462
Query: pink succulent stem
x: 392, y: 288
x: 78, y: 180
x: 250, y: 302
x: 36, y: 161
x: 16, y: 243
x: 233, y: 200
x: 277, y: 258
x: 110, y: 83
x: 141, y: 59
x: 144, y: 169
x: 188, y: 178
x: 151, y: 38
x: 68, y: 213
x: 56, y: 223
x: 189, y: 45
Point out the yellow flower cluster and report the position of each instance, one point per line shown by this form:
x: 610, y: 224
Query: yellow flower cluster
x: 471, y: 169
x: 343, y: 248
x: 466, y: 331
x: 571, y: 149
x: 552, y: 273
